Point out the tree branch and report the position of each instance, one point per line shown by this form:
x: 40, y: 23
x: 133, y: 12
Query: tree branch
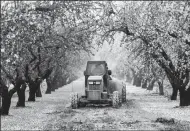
x: 47, y: 73
x: 7, y: 75
x: 34, y: 56
x: 122, y: 29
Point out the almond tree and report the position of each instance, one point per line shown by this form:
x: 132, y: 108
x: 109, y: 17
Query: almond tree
x: 33, y: 42
x: 162, y: 28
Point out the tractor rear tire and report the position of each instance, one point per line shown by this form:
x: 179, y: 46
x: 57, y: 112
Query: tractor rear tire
x: 124, y: 94
x: 81, y: 104
x: 116, y: 101
x: 74, y: 100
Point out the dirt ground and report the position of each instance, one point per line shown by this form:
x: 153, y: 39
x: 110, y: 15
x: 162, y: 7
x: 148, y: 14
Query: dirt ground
x: 142, y: 111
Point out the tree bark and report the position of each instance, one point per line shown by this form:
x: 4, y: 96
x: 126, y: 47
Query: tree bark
x: 6, y: 100
x: 151, y: 85
x: 161, y: 88
x: 55, y: 82
x: 32, y: 92
x: 184, y: 96
x: 52, y: 87
x: 56, y: 86
x: 51, y: 83
x: 134, y: 80
x: 7, y: 95
x: 174, y: 93
x: 48, y: 90
x: 144, y: 85
x: 138, y: 81
x: 21, y: 96
x: 33, y: 86
x: 38, y: 92
x: 188, y: 96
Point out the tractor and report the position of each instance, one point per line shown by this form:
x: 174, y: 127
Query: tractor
x: 99, y: 88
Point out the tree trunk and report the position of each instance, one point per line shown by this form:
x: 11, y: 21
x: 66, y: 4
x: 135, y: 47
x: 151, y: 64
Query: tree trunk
x: 65, y: 81
x: 161, y: 88
x: 7, y: 95
x: 138, y: 81
x: 56, y: 85
x: 184, y: 96
x: 6, y: 101
x: 183, y: 101
x: 128, y: 78
x: 188, y: 95
x: 174, y: 93
x: 38, y: 92
x: 151, y: 85
x: 33, y: 87
x: 55, y: 81
x: 134, y: 80
x: 52, y: 87
x: 32, y: 92
x: 144, y: 85
x: 48, y: 90
x: 21, y: 96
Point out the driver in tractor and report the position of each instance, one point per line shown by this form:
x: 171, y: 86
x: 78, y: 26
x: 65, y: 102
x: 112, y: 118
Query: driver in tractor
x: 97, y: 69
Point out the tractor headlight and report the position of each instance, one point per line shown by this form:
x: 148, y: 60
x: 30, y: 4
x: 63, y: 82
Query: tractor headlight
x: 94, y: 83
x: 91, y: 83
x: 98, y: 82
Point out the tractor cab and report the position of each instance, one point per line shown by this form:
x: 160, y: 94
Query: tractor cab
x: 95, y: 70
x: 96, y: 80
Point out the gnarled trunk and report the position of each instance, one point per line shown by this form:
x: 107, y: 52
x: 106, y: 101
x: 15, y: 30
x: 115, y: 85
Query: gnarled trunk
x: 32, y: 92
x: 21, y: 96
x: 161, y: 88
x: 7, y: 95
x: 187, y: 95
x: 174, y: 93
x: 38, y: 92
x: 52, y: 88
x: 33, y: 86
x: 138, y: 81
x: 151, y: 85
x: 144, y: 84
x: 48, y: 90
x: 184, y: 96
x: 134, y: 80
x: 52, y: 85
x: 6, y: 99
x: 56, y: 85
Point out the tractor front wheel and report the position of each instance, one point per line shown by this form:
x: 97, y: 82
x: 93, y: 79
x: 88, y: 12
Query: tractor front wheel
x: 74, y: 100
x: 116, y: 101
